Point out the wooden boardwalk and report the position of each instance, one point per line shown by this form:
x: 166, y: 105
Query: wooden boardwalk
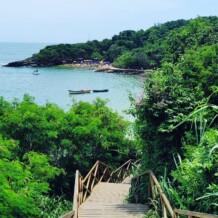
x: 101, y: 194
x: 109, y: 200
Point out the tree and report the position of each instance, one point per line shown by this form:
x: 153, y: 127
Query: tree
x: 22, y: 183
x: 73, y: 140
x: 199, y: 164
x: 171, y: 94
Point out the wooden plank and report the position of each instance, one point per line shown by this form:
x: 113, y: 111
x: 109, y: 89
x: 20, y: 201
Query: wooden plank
x: 97, y: 162
x: 163, y: 196
x: 122, y: 166
x: 108, y: 200
x: 68, y: 215
x: 76, y: 193
x: 103, y: 174
x: 194, y: 214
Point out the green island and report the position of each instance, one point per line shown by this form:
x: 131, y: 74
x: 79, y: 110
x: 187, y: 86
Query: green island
x: 174, y: 133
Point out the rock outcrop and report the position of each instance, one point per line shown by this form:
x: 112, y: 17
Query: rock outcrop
x: 23, y: 63
x: 31, y: 63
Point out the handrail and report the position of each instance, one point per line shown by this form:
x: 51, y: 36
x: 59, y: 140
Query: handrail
x: 77, y: 198
x: 99, y: 172
x: 153, y: 185
x: 68, y: 215
x: 122, y: 172
x: 94, y: 167
x: 121, y: 167
x: 164, y: 201
x: 102, y: 172
x: 83, y: 187
x: 192, y: 214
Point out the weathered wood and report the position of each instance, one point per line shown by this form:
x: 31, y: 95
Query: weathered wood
x: 87, y: 176
x: 122, y: 166
x: 103, y: 174
x: 163, y: 196
x: 76, y: 201
x: 194, y: 214
x: 99, y: 172
x: 101, y: 207
x: 153, y: 184
x: 152, y: 187
x: 164, y: 211
x: 123, y: 171
x: 68, y: 215
x: 108, y: 200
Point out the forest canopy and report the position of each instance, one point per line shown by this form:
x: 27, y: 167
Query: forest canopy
x: 146, y: 49
x: 42, y: 147
x: 176, y: 119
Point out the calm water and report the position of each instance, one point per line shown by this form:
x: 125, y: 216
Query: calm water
x: 53, y: 83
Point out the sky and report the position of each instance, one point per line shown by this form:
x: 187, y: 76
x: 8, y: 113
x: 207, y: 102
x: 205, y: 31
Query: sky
x: 72, y: 21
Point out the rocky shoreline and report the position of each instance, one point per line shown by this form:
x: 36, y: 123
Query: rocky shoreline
x: 24, y: 63
x: 29, y: 62
x: 108, y: 69
x: 96, y: 67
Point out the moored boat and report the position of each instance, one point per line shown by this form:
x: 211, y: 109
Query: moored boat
x: 100, y: 90
x: 36, y: 72
x: 79, y: 91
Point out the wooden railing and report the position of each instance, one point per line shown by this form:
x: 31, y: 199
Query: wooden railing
x: 123, y: 171
x: 192, y: 214
x: 78, y: 193
x: 143, y: 187
x: 100, y: 172
x: 146, y: 186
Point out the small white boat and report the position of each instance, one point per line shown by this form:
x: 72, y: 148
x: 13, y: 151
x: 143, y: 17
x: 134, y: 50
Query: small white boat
x: 79, y: 91
x: 36, y: 72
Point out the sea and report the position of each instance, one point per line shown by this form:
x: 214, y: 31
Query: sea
x: 52, y: 83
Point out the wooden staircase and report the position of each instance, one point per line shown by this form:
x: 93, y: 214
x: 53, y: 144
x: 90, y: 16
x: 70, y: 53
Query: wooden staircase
x: 109, y: 200
x: 103, y: 192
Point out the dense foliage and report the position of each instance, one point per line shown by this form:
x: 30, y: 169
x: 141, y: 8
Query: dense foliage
x: 22, y: 180
x: 42, y: 146
x: 186, y: 81
x: 196, y: 175
x: 137, y: 49
x: 176, y: 121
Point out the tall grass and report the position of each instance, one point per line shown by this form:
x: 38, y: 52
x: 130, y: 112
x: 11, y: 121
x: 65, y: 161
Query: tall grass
x: 53, y: 207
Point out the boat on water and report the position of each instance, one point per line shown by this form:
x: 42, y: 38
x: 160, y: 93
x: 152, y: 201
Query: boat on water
x: 36, y: 72
x: 79, y: 91
x: 100, y: 90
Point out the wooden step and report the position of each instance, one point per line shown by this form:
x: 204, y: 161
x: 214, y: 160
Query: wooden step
x: 109, y: 200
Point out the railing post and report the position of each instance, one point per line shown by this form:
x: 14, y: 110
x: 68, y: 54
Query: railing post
x: 164, y: 212
x: 80, y: 190
x: 152, y: 185
x: 84, y: 187
x: 76, y: 193
x: 94, y: 175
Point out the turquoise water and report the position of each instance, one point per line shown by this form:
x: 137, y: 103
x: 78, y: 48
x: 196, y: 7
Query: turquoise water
x: 53, y: 83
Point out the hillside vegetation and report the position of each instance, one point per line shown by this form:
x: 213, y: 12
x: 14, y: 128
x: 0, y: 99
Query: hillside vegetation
x: 176, y: 120
x: 41, y: 147
x: 175, y: 125
x: 135, y: 49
